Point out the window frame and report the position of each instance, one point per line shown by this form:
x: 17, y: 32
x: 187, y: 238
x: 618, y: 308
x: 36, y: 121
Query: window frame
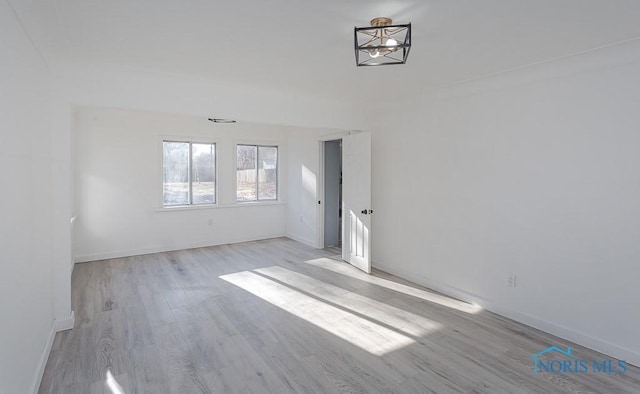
x: 190, y: 141
x: 257, y: 146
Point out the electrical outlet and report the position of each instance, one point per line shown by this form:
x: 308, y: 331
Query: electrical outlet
x: 511, y: 280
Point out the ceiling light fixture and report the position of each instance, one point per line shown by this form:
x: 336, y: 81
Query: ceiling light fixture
x: 383, y: 43
x: 220, y: 120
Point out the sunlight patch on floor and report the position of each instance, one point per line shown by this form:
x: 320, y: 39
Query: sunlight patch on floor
x: 113, y: 385
x: 397, y: 318
x: 345, y: 269
x: 369, y: 336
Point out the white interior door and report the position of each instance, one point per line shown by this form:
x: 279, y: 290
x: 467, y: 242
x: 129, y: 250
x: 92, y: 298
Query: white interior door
x: 356, y: 200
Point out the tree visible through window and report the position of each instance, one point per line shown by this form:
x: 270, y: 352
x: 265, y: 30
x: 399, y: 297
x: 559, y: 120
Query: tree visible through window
x: 257, y: 173
x: 189, y: 173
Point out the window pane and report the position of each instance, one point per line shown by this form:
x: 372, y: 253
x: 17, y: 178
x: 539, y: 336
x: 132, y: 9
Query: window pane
x: 175, y: 167
x: 246, y: 158
x: 203, y: 173
x: 267, y: 173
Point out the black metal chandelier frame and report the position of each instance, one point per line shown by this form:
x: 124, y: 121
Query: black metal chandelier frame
x: 371, y: 50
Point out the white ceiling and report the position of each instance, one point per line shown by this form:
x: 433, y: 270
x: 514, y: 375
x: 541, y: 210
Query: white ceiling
x: 307, y: 46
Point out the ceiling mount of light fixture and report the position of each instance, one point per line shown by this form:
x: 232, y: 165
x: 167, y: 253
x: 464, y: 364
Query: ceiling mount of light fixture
x: 382, y: 43
x: 220, y: 120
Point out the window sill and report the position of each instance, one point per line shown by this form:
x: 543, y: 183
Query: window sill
x: 219, y: 206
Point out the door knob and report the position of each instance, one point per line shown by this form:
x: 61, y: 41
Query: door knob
x: 364, y: 212
x: 370, y: 211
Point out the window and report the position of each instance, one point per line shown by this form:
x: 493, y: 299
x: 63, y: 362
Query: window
x: 257, y: 173
x: 189, y: 173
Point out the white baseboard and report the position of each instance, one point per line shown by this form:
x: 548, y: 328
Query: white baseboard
x: 66, y: 323
x: 57, y: 326
x: 630, y: 356
x: 303, y: 240
x: 568, y: 334
x: 163, y: 248
x: 42, y: 363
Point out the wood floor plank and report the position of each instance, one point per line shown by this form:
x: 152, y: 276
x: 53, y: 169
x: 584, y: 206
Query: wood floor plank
x: 276, y: 316
x: 178, y: 363
x: 146, y: 373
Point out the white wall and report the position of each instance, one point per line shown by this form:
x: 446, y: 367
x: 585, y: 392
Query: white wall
x: 535, y: 173
x: 305, y: 182
x: 302, y: 210
x: 309, y: 117
x: 118, y: 185
x: 26, y: 287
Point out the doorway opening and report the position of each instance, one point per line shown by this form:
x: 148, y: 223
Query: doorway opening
x: 333, y: 195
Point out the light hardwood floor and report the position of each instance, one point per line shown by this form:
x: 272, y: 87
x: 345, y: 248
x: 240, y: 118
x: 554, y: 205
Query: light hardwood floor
x: 277, y: 316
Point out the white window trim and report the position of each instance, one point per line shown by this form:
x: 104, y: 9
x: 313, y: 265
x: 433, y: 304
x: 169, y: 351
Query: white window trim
x: 191, y: 139
x: 220, y: 206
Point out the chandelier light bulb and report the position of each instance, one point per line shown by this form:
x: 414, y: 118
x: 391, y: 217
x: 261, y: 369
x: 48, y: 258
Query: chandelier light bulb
x: 391, y: 42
